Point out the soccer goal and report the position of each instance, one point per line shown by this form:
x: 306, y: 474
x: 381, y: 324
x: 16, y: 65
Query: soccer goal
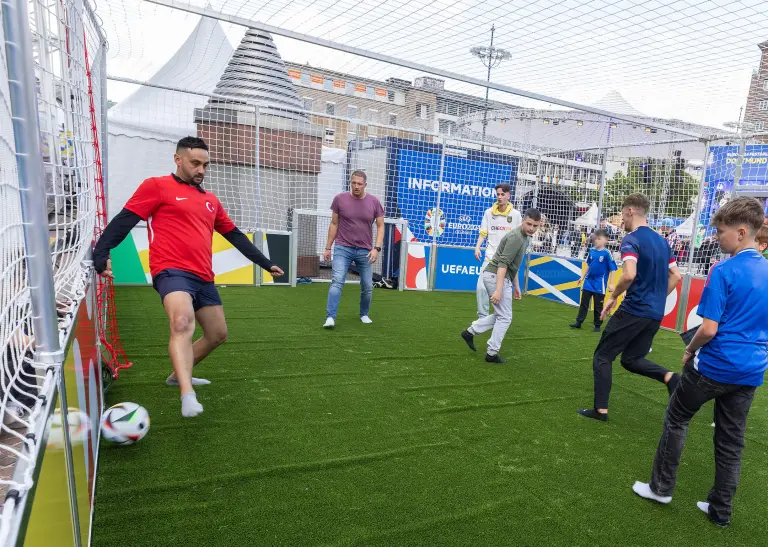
x: 310, y: 232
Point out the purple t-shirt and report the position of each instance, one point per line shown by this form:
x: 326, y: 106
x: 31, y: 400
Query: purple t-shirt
x: 355, y: 219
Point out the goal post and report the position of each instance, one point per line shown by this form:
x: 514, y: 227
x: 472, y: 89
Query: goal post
x: 310, y: 231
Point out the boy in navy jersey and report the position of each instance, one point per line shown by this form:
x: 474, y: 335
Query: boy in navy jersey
x: 596, y: 279
x: 650, y: 274
x: 725, y: 361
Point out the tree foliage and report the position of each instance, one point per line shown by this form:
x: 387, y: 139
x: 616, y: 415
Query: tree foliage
x: 676, y: 202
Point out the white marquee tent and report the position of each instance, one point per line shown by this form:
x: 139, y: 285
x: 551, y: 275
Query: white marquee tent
x: 144, y: 128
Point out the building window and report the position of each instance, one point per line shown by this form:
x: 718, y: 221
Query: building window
x: 765, y: 85
x: 330, y: 108
x: 330, y: 134
x: 373, y: 115
x: 762, y: 105
x: 308, y: 102
x: 422, y: 111
x: 759, y: 126
x: 391, y: 96
x: 446, y: 127
x: 352, y: 111
x: 392, y: 119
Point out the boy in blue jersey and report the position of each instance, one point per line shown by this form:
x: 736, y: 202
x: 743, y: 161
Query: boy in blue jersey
x: 650, y: 273
x: 725, y: 361
x: 596, y: 280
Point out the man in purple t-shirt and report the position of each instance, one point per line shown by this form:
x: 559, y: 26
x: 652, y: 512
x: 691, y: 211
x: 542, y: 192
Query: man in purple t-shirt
x: 353, y: 216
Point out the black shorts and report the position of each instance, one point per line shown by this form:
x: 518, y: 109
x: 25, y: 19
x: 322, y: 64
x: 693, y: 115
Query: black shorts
x: 203, y: 293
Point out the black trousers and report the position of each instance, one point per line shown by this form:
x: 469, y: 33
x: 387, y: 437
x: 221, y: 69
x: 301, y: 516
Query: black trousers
x: 586, y: 296
x: 632, y: 337
x: 732, y: 403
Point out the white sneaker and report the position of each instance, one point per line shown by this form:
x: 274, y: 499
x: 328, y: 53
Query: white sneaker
x: 329, y: 323
x: 365, y: 319
x: 643, y: 489
x: 13, y: 416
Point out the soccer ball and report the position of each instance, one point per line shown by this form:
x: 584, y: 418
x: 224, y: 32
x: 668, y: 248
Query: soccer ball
x: 125, y: 423
x: 78, y: 428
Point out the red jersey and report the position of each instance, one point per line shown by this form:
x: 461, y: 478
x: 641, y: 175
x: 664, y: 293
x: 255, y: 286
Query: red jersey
x: 180, y: 223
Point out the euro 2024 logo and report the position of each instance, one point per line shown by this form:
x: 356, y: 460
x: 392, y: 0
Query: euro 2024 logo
x: 434, y: 219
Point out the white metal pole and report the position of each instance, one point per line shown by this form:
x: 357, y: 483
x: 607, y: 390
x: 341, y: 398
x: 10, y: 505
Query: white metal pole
x: 31, y: 175
x: 436, y: 221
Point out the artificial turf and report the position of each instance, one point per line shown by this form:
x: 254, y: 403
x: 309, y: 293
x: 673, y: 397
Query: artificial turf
x: 396, y: 434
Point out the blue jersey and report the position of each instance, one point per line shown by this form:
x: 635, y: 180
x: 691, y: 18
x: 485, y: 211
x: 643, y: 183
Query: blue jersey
x: 647, y: 295
x: 736, y: 297
x: 600, y: 264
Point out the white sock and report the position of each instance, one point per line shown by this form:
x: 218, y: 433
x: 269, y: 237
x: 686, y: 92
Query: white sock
x: 365, y: 319
x: 643, y: 489
x: 189, y: 405
x: 172, y: 381
x: 703, y: 505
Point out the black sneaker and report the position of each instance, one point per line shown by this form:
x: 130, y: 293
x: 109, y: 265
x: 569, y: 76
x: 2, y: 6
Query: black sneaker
x: 672, y: 384
x: 593, y: 413
x: 469, y: 338
x: 494, y: 359
x: 575, y: 325
x: 597, y: 329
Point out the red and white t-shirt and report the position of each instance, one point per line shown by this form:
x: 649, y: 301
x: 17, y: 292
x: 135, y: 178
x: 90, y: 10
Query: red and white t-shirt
x: 180, y: 222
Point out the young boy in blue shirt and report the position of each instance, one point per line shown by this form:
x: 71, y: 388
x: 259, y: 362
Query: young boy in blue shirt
x: 725, y: 361
x: 596, y: 279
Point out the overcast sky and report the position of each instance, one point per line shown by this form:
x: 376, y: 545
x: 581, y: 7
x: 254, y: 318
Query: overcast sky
x: 690, y: 60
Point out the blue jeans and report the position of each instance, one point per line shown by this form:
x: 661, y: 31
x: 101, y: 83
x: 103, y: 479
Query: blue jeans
x: 343, y: 257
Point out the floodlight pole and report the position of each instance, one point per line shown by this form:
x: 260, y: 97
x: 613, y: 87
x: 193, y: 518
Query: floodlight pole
x: 488, y: 89
x: 490, y: 57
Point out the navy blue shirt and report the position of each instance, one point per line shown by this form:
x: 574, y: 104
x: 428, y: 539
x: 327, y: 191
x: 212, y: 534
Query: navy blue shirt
x: 647, y: 295
x: 600, y: 264
x: 736, y: 297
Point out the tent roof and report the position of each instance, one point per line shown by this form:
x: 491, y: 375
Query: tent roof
x: 614, y: 102
x: 590, y: 218
x: 196, y: 66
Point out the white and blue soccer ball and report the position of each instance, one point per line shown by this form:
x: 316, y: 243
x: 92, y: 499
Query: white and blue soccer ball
x: 125, y: 423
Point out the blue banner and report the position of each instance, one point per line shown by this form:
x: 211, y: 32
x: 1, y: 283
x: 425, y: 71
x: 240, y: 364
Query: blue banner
x: 721, y: 168
x: 457, y: 269
x: 466, y: 189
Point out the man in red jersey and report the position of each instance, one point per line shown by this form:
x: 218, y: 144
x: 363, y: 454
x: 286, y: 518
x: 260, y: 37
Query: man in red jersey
x: 181, y: 218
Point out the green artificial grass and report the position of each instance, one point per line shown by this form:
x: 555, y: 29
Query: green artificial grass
x: 396, y: 434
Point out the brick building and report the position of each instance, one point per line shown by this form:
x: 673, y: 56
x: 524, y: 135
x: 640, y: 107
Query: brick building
x: 392, y: 107
x: 757, y: 99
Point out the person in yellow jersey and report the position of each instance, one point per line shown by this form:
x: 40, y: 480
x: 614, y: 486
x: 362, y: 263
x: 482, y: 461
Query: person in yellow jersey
x: 498, y: 221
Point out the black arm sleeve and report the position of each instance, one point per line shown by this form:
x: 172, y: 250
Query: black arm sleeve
x: 113, y: 235
x: 240, y: 242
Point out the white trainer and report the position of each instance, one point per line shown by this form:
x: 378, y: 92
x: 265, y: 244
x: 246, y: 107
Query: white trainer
x: 643, y: 489
x: 329, y: 323
x: 365, y: 319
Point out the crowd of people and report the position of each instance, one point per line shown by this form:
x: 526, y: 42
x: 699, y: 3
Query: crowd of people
x: 576, y: 241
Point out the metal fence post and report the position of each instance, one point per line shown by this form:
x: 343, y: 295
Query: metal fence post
x: 294, y: 248
x: 603, y: 174
x: 686, y: 287
x: 436, y: 222
x: 257, y: 158
x: 31, y: 175
x: 528, y: 252
x: 403, y: 255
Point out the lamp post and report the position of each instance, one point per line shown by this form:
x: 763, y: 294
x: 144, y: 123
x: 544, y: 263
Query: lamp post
x: 490, y: 57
